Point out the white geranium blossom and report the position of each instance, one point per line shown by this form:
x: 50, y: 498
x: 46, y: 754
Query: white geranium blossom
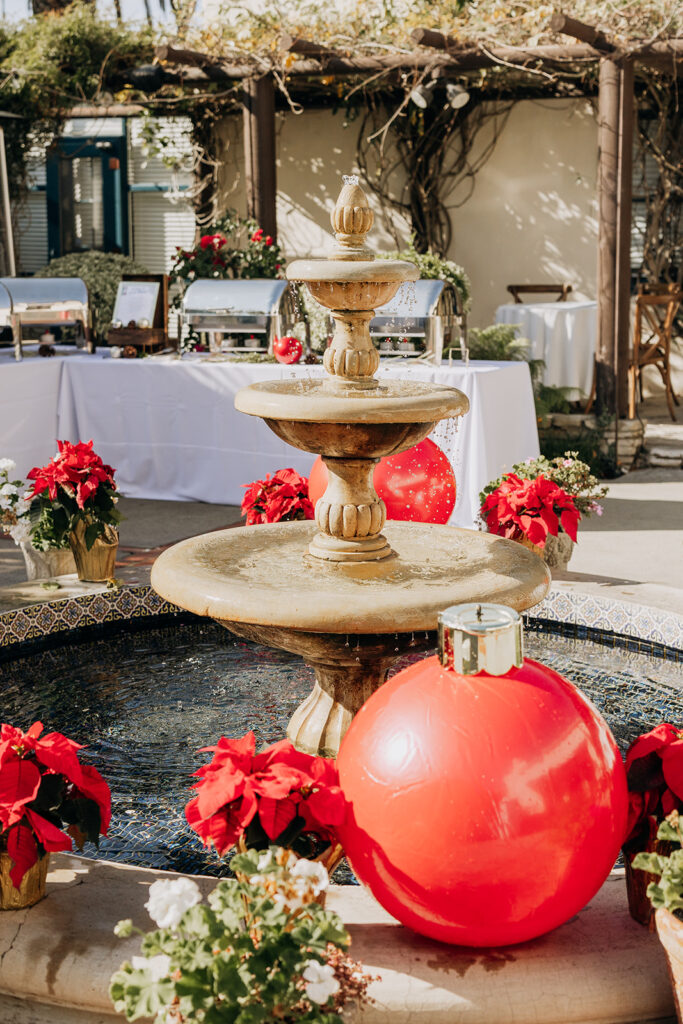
x: 20, y: 532
x: 168, y: 901
x: 265, y: 860
x: 7, y: 466
x: 320, y: 981
x: 158, y: 967
x: 311, y: 876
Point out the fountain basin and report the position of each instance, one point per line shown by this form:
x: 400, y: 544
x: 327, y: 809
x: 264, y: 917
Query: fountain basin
x: 352, y: 284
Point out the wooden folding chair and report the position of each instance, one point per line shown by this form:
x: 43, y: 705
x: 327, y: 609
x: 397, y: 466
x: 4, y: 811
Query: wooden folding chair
x: 654, y: 318
x: 561, y: 290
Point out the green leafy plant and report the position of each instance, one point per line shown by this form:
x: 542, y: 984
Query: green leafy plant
x: 498, y: 342
x: 261, y: 948
x: 102, y: 272
x: 668, y: 892
x: 568, y: 472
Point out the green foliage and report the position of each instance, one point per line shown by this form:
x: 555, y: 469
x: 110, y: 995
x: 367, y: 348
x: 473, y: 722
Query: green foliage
x: 50, y: 62
x: 498, y: 342
x: 668, y: 892
x: 433, y: 267
x: 568, y: 472
x: 240, y: 958
x: 52, y: 521
x: 102, y: 272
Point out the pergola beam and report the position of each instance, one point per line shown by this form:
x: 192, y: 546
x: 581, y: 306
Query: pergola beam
x: 562, y: 23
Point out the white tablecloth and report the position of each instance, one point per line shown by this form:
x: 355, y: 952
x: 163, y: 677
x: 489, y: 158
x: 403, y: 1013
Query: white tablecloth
x: 29, y: 392
x: 563, y: 334
x: 171, y: 430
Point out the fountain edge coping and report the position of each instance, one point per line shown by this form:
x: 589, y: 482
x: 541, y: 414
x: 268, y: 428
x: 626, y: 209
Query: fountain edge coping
x: 599, y: 966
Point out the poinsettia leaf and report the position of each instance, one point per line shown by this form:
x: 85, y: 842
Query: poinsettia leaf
x: 672, y: 767
x: 275, y: 815
x: 654, y: 740
x: 22, y: 848
x: 19, y: 783
x: 51, y: 838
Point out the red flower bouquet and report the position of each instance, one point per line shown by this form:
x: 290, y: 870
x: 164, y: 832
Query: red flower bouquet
x: 43, y: 789
x: 279, y: 796
x: 530, y: 510
x: 654, y: 772
x: 74, y: 487
x: 279, y: 498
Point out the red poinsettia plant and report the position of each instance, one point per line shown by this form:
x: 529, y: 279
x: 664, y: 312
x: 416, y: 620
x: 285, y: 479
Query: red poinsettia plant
x: 530, y: 509
x: 279, y: 796
x: 279, y: 498
x: 654, y: 772
x: 75, y: 486
x: 45, y: 793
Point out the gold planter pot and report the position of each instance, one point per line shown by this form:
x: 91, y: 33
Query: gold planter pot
x: 670, y: 932
x: 32, y: 888
x: 556, y: 553
x: 97, y: 564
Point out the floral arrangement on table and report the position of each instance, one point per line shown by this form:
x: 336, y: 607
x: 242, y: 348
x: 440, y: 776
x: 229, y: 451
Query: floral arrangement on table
x: 14, y: 504
x: 45, y: 793
x: 530, y: 510
x: 74, y: 493
x: 261, y: 948
x: 568, y: 472
x: 277, y: 499
x: 654, y: 772
x: 280, y: 796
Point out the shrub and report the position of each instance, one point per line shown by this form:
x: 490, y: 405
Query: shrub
x: 101, y: 272
x: 498, y: 342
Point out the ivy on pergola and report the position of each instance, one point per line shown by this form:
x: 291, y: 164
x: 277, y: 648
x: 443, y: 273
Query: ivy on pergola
x: 592, y: 62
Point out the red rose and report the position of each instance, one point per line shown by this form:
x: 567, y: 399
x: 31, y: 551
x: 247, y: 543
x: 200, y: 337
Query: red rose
x: 257, y: 236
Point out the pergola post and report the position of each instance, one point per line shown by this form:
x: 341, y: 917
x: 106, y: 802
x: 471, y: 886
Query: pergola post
x: 259, y: 151
x: 624, y: 214
x: 608, y: 177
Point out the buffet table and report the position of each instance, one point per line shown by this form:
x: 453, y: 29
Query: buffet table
x: 170, y: 428
x: 563, y: 334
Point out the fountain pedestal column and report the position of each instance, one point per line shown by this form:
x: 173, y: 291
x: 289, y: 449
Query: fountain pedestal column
x: 350, y: 515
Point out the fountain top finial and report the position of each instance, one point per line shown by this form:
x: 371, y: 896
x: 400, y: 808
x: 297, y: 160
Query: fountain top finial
x: 352, y: 218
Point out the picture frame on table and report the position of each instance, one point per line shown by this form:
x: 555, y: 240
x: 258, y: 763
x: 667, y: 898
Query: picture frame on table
x: 140, y: 316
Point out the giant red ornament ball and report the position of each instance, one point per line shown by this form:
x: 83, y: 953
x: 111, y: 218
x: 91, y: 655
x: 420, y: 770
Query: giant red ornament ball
x: 287, y: 350
x: 417, y: 484
x: 485, y: 809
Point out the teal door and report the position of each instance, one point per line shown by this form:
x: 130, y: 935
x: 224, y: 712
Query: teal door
x: 87, y: 204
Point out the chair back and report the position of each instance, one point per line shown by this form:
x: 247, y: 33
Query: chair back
x: 561, y: 290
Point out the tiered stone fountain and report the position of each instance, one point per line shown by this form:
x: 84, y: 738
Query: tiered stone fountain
x: 348, y: 593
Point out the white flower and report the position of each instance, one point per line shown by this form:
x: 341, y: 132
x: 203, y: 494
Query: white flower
x: 265, y: 860
x: 168, y: 901
x: 157, y: 967
x: 320, y: 981
x: 310, y: 876
x: 7, y: 466
x: 20, y: 532
x: 288, y: 903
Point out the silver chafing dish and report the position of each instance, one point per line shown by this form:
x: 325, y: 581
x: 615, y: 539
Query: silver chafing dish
x: 423, y: 319
x: 44, y: 302
x: 249, y: 314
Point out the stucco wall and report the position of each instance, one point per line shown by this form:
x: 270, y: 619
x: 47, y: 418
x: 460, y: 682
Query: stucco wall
x: 530, y: 217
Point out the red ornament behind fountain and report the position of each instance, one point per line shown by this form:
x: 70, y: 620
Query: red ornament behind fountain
x: 488, y: 807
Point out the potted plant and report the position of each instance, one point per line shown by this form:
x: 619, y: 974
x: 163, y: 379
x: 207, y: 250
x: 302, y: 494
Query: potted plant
x: 654, y: 772
x: 45, y: 792
x: 533, y: 512
x: 666, y: 895
x: 277, y: 499
x: 574, y: 477
x: 15, y: 520
x: 280, y: 796
x: 260, y: 949
x: 73, y: 499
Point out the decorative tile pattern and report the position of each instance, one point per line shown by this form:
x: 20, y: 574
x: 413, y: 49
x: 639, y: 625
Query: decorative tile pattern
x: 618, y: 619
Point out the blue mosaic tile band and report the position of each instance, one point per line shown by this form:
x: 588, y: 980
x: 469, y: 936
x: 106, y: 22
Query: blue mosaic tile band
x: 139, y: 602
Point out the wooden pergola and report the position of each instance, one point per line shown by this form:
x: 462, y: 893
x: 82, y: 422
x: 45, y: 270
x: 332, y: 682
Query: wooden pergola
x: 438, y: 53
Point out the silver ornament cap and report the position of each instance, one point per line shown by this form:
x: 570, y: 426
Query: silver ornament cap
x: 480, y: 638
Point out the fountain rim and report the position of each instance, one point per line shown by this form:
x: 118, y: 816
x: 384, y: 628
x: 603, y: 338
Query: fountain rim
x: 333, y: 270
x: 318, y: 400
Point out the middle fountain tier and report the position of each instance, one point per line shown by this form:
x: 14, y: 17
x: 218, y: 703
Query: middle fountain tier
x: 349, y: 594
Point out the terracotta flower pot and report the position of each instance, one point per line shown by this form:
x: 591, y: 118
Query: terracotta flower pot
x: 329, y: 858
x: 670, y: 932
x: 32, y: 888
x: 556, y: 553
x: 639, y: 906
x: 97, y: 564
